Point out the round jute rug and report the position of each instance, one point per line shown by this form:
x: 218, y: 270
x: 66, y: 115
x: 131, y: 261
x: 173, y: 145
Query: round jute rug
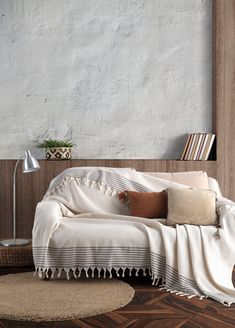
x: 24, y: 296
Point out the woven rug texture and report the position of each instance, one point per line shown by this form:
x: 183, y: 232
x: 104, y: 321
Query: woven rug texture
x: 24, y: 296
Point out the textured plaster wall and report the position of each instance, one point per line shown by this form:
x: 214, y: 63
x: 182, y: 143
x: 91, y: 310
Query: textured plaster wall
x: 125, y: 78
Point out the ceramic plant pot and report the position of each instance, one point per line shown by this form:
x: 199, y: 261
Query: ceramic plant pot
x: 58, y: 153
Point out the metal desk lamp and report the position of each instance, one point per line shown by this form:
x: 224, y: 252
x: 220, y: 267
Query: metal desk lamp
x: 30, y: 164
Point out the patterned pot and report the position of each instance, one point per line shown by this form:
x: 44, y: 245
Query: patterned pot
x: 58, y: 153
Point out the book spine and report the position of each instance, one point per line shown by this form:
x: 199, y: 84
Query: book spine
x: 195, y: 150
x: 185, y: 148
x: 196, y: 156
x: 210, y: 143
x: 192, y: 146
x: 203, y: 148
x: 188, y: 148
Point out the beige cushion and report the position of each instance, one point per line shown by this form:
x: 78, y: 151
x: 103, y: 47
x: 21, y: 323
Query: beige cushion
x: 194, y: 179
x: 191, y: 206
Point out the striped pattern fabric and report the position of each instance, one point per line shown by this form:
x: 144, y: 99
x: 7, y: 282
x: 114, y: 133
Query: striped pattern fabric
x: 121, y: 259
x: 100, y: 176
x: 81, y: 226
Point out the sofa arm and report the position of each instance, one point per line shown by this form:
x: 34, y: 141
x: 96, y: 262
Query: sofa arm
x: 46, y: 221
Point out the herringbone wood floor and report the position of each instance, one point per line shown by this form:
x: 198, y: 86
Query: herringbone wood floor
x: 150, y: 308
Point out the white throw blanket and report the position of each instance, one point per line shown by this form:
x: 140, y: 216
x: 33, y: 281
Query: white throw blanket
x: 81, y: 225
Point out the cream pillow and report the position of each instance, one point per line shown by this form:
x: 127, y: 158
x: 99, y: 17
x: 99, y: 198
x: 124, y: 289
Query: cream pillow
x: 194, y: 179
x: 191, y: 206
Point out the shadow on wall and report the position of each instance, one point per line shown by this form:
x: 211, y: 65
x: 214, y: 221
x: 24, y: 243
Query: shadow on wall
x: 176, y: 147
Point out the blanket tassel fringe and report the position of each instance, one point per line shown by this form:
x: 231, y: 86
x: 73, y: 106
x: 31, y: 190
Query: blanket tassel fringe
x: 83, y: 181
x: 56, y: 273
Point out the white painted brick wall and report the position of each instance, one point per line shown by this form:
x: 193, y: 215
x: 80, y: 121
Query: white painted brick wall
x: 130, y: 77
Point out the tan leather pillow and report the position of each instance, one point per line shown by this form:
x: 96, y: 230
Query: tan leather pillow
x: 146, y: 204
x: 191, y: 206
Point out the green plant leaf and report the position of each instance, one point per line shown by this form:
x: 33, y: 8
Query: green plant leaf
x: 54, y: 143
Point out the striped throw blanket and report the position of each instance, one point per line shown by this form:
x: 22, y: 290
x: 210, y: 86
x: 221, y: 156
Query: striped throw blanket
x: 81, y: 226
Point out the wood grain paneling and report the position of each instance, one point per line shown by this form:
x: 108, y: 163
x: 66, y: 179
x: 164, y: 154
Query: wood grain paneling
x: 31, y: 187
x: 224, y: 92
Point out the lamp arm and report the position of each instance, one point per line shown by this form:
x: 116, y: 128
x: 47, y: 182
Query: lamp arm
x: 14, y: 198
x: 30, y: 165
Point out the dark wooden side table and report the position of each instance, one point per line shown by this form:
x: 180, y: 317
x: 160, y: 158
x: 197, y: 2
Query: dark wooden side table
x: 16, y: 256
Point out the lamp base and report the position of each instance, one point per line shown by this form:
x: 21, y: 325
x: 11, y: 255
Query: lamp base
x: 14, y: 242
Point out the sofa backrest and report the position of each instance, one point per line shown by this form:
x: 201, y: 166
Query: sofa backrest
x: 194, y: 179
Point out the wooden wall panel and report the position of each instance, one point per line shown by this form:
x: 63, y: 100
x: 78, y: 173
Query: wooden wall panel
x: 224, y: 92
x: 31, y: 187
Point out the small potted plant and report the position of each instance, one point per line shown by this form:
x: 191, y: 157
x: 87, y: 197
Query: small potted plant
x: 57, y: 149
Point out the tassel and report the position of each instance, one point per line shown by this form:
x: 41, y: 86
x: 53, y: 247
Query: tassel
x: 41, y: 275
x: 110, y: 273
x: 89, y: 183
x: 157, y: 281
x: 98, y: 272
x: 178, y: 293
x: 108, y: 190
x: 217, y: 234
x: 74, y: 274
x: 99, y: 185
x: 52, y: 274
x: 96, y: 185
x: 123, y: 272
x: 104, y: 273
x: 114, y: 193
x: 92, y: 272
x: 67, y: 275
x: 86, y: 272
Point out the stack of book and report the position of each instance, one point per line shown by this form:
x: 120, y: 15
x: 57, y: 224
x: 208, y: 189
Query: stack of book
x: 198, y: 146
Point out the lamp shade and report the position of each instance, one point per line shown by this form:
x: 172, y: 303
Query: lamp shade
x: 30, y: 164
